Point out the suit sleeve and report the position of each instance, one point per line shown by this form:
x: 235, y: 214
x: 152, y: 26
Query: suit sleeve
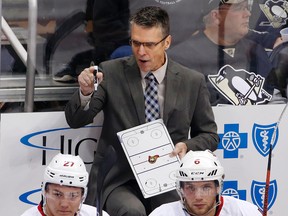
x: 76, y: 116
x: 203, y: 128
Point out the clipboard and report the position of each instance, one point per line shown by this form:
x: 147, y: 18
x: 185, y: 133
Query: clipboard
x: 147, y: 148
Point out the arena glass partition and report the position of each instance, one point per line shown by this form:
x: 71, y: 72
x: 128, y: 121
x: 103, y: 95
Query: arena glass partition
x: 64, y: 31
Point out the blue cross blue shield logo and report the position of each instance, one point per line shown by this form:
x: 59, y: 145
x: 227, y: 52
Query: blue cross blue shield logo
x: 262, y: 137
x: 230, y: 188
x: 258, y: 193
x: 232, y: 140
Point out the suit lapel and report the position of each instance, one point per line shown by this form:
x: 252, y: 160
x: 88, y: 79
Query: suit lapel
x: 173, y: 81
x: 134, y: 82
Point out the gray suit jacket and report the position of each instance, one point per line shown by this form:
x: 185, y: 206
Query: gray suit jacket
x: 120, y: 96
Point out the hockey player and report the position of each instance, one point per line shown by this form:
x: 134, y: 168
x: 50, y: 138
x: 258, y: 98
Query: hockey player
x: 64, y: 189
x: 199, y: 182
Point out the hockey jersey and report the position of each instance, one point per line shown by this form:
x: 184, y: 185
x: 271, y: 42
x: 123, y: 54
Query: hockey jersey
x: 86, y: 210
x: 229, y: 206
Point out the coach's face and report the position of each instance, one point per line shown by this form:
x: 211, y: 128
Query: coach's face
x: 149, y: 45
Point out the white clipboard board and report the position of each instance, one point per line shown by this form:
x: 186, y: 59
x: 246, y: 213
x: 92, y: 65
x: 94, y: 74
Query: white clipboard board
x: 147, y: 149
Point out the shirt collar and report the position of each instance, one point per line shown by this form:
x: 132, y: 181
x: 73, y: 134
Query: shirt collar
x: 159, y: 73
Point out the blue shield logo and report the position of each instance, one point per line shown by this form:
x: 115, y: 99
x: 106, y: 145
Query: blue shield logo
x: 262, y: 137
x: 258, y: 193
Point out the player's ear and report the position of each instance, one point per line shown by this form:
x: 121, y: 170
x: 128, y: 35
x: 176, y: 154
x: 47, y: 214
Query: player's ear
x: 218, y: 190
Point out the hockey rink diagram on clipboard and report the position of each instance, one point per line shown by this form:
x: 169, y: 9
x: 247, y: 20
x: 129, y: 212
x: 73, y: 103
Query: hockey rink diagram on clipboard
x: 147, y: 149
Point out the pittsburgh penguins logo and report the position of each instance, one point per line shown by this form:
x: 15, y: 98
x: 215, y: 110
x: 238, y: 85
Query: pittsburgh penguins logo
x: 240, y: 87
x: 276, y: 12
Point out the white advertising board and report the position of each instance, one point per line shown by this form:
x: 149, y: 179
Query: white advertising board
x: 28, y: 143
x: 246, y: 134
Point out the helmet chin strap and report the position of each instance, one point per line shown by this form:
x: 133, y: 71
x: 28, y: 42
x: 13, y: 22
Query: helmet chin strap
x: 44, y: 203
x: 78, y: 211
x: 218, y: 202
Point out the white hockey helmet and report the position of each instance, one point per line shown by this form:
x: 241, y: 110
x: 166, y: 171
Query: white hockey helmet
x: 200, y: 166
x: 68, y: 170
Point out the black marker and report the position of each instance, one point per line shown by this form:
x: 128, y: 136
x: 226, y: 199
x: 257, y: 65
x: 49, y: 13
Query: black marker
x: 95, y: 74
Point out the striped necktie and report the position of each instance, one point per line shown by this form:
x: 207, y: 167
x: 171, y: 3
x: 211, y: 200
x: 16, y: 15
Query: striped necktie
x: 152, y: 108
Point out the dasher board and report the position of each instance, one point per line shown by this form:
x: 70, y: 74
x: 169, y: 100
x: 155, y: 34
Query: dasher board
x: 147, y: 148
